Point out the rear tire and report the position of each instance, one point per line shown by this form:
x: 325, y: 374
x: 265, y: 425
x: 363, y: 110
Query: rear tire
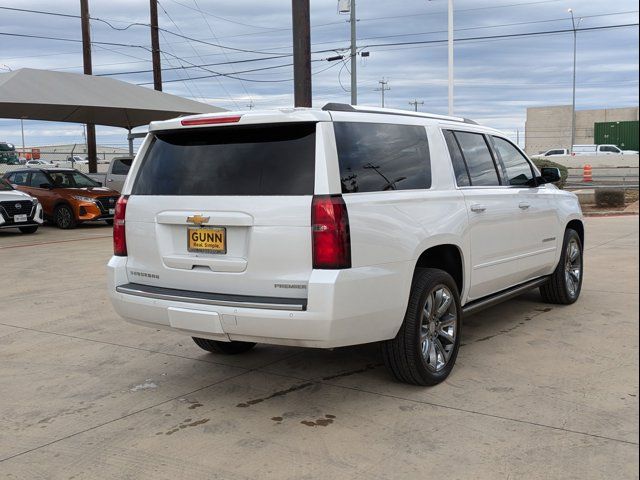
x: 226, y: 348
x: 565, y: 284
x: 31, y: 229
x: 63, y: 217
x: 426, y: 346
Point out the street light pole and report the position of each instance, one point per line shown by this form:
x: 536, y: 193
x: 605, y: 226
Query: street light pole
x: 450, y: 48
x: 573, y: 101
x: 354, y: 63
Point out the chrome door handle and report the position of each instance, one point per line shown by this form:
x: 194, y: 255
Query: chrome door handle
x: 476, y: 207
x: 524, y: 205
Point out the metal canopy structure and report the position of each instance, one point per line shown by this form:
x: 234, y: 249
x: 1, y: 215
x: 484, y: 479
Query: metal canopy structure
x: 70, y: 97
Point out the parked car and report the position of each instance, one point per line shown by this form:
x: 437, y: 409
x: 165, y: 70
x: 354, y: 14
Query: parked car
x: 601, y: 150
x: 116, y: 173
x: 333, y: 227
x: 8, y: 154
x: 40, y: 163
x: 68, y: 197
x: 18, y: 210
x: 555, y: 152
x: 77, y: 159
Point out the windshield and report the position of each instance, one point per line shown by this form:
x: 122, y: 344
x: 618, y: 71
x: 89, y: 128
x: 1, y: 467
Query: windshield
x: 6, y: 147
x: 72, y: 179
x: 4, y: 185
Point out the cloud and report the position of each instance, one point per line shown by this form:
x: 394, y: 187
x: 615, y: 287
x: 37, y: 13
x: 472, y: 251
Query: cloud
x: 495, y: 79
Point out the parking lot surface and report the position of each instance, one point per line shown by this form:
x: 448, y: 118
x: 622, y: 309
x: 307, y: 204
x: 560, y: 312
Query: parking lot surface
x: 538, y: 391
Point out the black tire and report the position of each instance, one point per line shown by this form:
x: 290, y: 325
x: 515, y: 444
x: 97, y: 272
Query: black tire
x: 31, y: 229
x: 63, y: 217
x: 403, y: 355
x: 109, y: 222
x: 563, y: 287
x: 227, y: 348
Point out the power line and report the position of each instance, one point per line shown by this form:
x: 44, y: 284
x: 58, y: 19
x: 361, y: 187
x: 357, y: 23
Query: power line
x: 510, y: 35
x: 198, y: 55
x: 140, y: 24
x: 195, y: 2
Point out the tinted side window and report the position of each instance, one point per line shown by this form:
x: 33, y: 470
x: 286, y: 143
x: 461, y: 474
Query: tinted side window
x: 273, y: 159
x: 459, y: 167
x: 19, y: 178
x: 609, y: 149
x: 478, y: 158
x: 37, y: 179
x: 121, y: 166
x: 375, y: 157
x: 518, y: 168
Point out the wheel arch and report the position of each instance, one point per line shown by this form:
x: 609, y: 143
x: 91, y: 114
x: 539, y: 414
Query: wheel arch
x: 447, y: 257
x: 578, y: 226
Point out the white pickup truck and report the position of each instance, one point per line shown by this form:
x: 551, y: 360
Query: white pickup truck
x: 337, y: 226
x: 601, y: 150
x: 116, y: 174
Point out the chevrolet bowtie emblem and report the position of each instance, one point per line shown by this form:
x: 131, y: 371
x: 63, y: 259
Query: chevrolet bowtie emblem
x: 197, y: 219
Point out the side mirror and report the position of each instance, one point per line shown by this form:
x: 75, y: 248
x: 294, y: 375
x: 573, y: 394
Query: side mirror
x: 550, y: 175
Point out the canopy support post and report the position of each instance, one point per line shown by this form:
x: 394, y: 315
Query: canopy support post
x: 130, y: 138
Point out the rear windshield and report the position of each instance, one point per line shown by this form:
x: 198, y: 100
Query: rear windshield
x: 276, y: 159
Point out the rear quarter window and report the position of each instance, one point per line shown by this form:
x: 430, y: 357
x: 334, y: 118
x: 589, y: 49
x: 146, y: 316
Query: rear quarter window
x: 276, y: 159
x: 376, y: 157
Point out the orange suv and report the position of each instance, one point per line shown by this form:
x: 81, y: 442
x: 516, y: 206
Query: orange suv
x: 68, y: 197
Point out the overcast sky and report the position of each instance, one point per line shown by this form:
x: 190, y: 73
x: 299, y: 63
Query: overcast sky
x: 496, y: 79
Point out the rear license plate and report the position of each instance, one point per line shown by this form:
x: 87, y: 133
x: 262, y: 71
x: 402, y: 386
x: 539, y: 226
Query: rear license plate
x: 19, y: 218
x: 207, y: 240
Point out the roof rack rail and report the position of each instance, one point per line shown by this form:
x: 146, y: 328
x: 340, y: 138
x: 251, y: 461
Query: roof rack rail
x: 345, y: 107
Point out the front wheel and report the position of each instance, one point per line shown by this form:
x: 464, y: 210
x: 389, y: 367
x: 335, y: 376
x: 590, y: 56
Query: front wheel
x: 63, y: 217
x: 426, y: 346
x: 565, y: 283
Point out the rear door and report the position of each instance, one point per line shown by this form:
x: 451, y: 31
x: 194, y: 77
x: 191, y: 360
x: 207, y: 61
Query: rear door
x: 224, y: 209
x: 493, y: 233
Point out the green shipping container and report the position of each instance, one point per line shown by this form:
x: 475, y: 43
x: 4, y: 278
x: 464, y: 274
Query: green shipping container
x: 624, y: 135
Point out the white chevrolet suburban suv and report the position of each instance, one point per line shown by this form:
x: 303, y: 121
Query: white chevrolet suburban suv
x: 337, y: 226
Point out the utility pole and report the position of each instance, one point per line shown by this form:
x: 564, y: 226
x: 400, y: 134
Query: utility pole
x: 354, y: 63
x: 88, y: 70
x: 383, y: 87
x: 301, y: 52
x: 155, y: 45
x: 415, y: 104
x: 573, y: 101
x: 450, y: 48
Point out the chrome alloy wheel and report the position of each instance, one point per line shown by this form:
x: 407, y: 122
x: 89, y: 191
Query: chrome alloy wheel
x: 573, y: 267
x: 438, y: 328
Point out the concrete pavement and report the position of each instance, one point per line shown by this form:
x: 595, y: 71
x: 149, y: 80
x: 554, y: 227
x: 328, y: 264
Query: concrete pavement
x: 539, y: 391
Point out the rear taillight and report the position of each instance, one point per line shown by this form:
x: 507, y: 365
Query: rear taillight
x: 330, y: 232
x: 119, y: 238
